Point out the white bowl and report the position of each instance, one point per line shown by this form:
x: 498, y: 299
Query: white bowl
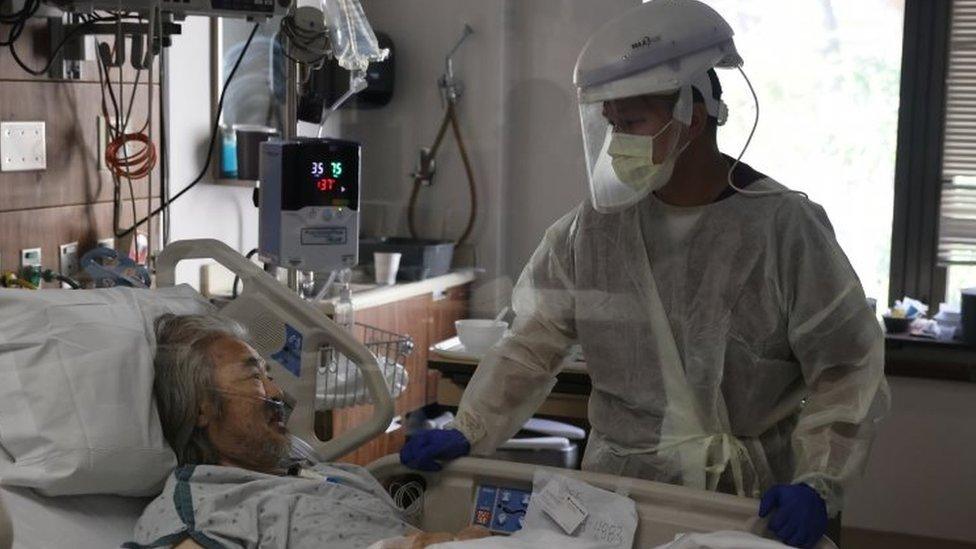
x: 478, y: 335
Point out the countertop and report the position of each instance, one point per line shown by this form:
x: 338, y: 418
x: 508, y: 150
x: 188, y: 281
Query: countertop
x: 571, y: 364
x: 905, y: 356
x: 365, y: 296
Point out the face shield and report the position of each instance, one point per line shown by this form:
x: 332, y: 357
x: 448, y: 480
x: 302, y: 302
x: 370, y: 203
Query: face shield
x: 631, y: 145
x: 658, y: 49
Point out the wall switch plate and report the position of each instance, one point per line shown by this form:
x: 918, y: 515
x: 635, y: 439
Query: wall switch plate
x: 30, y: 257
x: 22, y: 146
x: 68, y: 263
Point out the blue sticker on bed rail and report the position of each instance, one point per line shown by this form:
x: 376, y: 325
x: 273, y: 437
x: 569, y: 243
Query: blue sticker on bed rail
x: 290, y: 356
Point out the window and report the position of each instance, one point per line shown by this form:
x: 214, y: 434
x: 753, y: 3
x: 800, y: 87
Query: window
x: 827, y: 74
x: 957, y: 215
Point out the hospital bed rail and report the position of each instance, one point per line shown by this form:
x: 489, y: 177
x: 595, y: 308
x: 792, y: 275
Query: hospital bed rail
x: 663, y: 510
x: 290, y: 333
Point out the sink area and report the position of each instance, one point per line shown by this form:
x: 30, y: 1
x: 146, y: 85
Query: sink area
x: 366, y: 293
x: 357, y: 288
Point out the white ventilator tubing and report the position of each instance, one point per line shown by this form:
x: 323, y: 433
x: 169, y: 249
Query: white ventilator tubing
x: 265, y: 308
x: 738, y: 159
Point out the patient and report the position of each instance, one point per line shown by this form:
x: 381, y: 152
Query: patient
x: 235, y: 485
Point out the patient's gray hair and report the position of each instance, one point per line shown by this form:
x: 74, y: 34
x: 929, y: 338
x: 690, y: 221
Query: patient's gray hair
x: 184, y: 379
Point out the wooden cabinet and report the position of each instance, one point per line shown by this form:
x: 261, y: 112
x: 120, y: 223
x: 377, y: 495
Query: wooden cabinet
x: 427, y: 321
x: 453, y: 305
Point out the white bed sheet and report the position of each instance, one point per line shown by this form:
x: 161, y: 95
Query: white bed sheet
x: 83, y: 522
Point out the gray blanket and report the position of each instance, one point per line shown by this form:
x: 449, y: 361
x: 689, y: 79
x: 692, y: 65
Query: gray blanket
x: 229, y: 507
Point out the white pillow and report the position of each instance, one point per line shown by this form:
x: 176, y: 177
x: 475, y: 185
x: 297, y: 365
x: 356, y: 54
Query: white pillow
x: 77, y: 413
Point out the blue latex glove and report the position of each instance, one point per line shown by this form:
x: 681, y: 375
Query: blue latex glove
x: 423, y: 450
x: 799, y: 514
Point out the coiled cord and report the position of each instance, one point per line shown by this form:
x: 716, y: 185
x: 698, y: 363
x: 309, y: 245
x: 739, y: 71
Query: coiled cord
x: 408, y: 496
x: 127, y: 165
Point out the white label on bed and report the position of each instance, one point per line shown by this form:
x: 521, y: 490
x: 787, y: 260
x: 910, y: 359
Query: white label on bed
x: 562, y: 507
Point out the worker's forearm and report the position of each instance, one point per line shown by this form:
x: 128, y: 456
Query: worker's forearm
x: 836, y: 427
x: 508, y: 387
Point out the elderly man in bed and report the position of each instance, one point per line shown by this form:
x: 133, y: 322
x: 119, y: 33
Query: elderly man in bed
x: 235, y: 485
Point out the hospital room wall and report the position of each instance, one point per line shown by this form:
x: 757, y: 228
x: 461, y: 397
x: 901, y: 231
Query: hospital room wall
x: 921, y: 476
x: 422, y: 32
x: 70, y: 200
x: 545, y: 172
x: 214, y: 211
x: 518, y: 118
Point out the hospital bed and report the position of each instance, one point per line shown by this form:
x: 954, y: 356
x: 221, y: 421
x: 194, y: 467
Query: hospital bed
x: 448, y: 501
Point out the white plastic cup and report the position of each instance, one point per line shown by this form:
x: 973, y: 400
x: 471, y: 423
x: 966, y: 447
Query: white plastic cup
x: 386, y: 266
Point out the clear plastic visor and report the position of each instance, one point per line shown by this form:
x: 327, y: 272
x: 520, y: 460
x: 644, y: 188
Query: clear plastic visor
x: 631, y: 143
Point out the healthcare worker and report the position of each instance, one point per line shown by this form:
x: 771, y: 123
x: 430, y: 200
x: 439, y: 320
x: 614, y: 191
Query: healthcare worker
x: 728, y: 340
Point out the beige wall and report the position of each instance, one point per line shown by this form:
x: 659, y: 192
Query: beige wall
x: 71, y: 200
x: 423, y: 31
x: 518, y: 116
x: 545, y: 168
x: 208, y: 210
x: 921, y: 478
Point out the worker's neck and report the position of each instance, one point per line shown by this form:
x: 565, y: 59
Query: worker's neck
x: 700, y: 176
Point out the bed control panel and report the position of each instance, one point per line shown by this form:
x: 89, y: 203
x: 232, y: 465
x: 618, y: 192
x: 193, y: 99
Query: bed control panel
x: 499, y: 509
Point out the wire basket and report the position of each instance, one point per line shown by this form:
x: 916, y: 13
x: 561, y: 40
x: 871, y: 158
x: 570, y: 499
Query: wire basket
x: 340, y: 383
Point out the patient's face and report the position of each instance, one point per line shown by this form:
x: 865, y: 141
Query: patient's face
x: 245, y: 431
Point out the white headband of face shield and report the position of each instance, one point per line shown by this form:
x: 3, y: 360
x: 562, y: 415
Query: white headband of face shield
x: 716, y: 108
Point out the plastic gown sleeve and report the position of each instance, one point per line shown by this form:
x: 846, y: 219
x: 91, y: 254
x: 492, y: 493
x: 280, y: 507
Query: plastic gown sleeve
x: 515, y: 377
x: 840, y: 347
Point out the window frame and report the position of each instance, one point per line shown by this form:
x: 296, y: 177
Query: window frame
x: 918, y: 162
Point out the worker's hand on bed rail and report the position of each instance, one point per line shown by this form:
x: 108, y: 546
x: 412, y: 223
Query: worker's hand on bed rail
x: 423, y: 450
x: 799, y: 514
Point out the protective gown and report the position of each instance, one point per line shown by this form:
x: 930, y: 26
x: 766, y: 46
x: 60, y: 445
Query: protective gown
x: 736, y: 353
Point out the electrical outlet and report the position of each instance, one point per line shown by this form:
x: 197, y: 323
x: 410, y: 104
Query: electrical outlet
x: 22, y: 146
x: 68, y: 263
x: 30, y: 257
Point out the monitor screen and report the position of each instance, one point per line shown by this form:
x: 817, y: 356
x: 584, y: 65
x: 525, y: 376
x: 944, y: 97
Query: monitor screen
x: 321, y: 173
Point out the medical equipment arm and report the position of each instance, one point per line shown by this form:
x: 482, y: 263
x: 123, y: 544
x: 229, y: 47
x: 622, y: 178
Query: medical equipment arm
x: 840, y: 347
x: 281, y: 324
x: 516, y: 376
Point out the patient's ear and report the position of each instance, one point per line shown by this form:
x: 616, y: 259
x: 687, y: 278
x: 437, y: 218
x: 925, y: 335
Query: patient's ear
x: 205, y: 413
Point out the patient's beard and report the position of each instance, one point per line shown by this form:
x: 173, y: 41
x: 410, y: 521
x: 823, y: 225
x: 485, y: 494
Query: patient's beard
x: 256, y: 451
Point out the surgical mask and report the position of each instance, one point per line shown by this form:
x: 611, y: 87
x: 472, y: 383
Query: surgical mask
x: 633, y: 160
x: 621, y: 166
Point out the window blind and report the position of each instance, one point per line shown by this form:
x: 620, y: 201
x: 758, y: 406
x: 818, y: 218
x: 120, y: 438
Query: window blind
x: 957, y: 217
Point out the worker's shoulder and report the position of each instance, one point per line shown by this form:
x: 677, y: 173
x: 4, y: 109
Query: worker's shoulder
x: 568, y: 223
x: 788, y: 205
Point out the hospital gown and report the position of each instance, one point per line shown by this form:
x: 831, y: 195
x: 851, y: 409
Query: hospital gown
x: 332, y: 506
